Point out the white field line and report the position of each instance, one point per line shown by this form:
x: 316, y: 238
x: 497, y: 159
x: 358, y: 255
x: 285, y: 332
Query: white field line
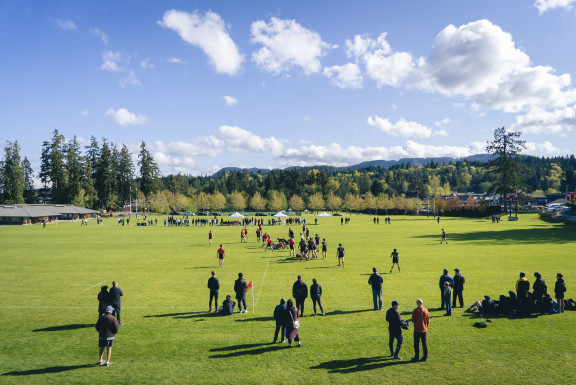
x: 152, y: 260
x: 93, y: 286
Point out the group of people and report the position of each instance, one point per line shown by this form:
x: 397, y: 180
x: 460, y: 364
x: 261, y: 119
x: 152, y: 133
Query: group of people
x: 525, y: 301
x: 377, y: 220
x: 420, y: 321
x: 109, y: 305
x: 227, y: 308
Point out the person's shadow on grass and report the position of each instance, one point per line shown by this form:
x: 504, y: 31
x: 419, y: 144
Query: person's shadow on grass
x: 52, y: 369
x: 65, y: 327
x: 246, y: 349
x: 359, y: 364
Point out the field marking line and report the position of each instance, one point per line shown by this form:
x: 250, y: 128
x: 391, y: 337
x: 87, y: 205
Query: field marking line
x: 93, y: 286
x: 152, y: 260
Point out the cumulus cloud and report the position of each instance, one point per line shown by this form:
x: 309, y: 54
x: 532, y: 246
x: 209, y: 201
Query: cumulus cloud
x: 112, y: 61
x: 543, y: 148
x: 346, y: 76
x: 241, y: 140
x: 546, y: 5
x: 442, y: 122
x: 400, y: 128
x: 230, y: 101
x: 124, y: 117
x: 209, y: 33
x: 175, y: 60
x: 540, y: 121
x: 67, y: 25
x: 285, y: 45
x: 337, y: 155
x: 100, y: 34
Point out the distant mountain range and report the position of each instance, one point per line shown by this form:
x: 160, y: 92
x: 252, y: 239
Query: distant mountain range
x: 416, y: 162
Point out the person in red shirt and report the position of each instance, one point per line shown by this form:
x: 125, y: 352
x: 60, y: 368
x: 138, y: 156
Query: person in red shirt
x: 268, y: 243
x: 264, y: 239
x: 210, y: 236
x: 292, y: 251
x: 258, y: 234
x: 421, y: 320
x: 220, y: 254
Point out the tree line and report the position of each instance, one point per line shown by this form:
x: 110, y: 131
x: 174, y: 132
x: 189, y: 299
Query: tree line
x: 103, y: 175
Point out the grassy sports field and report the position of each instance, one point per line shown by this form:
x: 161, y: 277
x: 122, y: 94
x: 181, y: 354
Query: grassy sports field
x: 50, y: 278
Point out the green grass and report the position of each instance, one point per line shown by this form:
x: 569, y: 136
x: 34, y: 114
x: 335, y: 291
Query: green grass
x: 50, y: 278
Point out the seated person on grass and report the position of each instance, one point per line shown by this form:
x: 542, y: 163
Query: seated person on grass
x: 227, y: 306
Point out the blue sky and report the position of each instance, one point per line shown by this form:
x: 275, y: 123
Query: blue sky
x: 212, y: 84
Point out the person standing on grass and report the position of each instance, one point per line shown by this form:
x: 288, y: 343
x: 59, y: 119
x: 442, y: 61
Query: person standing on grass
x: 290, y: 316
x: 395, y: 325
x: 340, y: 252
x: 115, y: 294
x: 103, y: 300
x: 107, y: 327
x: 376, y: 281
x: 279, y: 313
x: 240, y: 288
x: 443, y: 237
x: 539, y: 289
x: 446, y: 294
x: 324, y: 248
x: 316, y: 295
x: 421, y: 321
x: 395, y: 257
x: 458, y: 288
x: 559, y: 290
x: 214, y: 286
x: 210, y: 236
x: 220, y: 255
x: 444, y: 278
x: 300, y: 293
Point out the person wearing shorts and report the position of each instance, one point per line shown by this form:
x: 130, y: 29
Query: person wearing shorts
x: 220, y: 254
x: 210, y: 237
x: 395, y: 258
x: 324, y: 248
x: 340, y: 254
x: 107, y: 327
x: 291, y: 243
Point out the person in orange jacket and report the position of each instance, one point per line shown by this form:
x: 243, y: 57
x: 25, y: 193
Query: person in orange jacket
x: 421, y: 320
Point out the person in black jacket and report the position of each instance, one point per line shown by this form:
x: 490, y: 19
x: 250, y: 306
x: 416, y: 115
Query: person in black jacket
x: 240, y: 287
x: 395, y: 325
x: 214, y: 286
x: 445, y: 277
x: 279, y: 311
x: 103, y: 300
x: 458, y: 288
x: 316, y: 294
x: 300, y: 293
x: 376, y: 281
x: 539, y: 289
x: 227, y: 306
x: 115, y: 294
x: 559, y: 289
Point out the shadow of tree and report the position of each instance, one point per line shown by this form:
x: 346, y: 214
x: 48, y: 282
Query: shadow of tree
x: 174, y: 314
x: 65, y: 327
x: 358, y: 364
x: 244, y: 350
x: 53, y: 369
x: 257, y: 319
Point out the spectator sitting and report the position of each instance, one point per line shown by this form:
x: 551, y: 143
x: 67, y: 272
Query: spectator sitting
x: 488, y: 307
x: 513, y: 302
x: 227, y: 306
x: 504, y: 305
x: 548, y: 304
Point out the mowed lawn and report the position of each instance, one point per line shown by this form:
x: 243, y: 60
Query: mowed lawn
x: 50, y: 277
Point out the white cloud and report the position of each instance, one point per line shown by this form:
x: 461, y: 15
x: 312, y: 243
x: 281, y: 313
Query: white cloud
x: 98, y: 33
x: 400, y: 128
x: 113, y: 61
x: 67, y: 25
x: 130, y: 79
x: 540, y: 121
x: 145, y: 64
x: 124, y: 117
x: 361, y: 44
x: 336, y: 155
x: 85, y: 113
x: 240, y: 140
x: 285, y: 45
x: 346, y: 76
x: 230, y: 101
x: 546, y: 5
x: 442, y: 122
x: 543, y: 148
x: 209, y: 33
x: 175, y: 60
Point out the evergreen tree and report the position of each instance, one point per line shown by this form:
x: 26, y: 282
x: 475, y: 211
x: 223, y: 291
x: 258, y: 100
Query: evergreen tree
x: 505, y: 171
x: 45, y: 166
x: 125, y: 175
x: 149, y: 172
x: 13, y: 175
x: 58, y: 172
x: 29, y: 190
x: 75, y: 168
x: 105, y: 176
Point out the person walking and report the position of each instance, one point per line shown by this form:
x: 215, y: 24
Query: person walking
x: 559, y: 290
x: 240, y: 288
x: 103, y: 300
x: 458, y: 288
x: 292, y: 323
x: 444, y: 278
x: 107, y: 327
x: 115, y: 294
x: 300, y: 293
x: 210, y: 236
x: 443, y: 237
x: 395, y: 325
x: 376, y: 281
x: 220, y: 255
x: 340, y: 252
x: 279, y: 313
x: 395, y: 257
x: 324, y: 248
x: 214, y: 286
x: 316, y: 295
x: 421, y: 321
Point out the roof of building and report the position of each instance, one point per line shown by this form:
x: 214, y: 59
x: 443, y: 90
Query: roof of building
x: 39, y: 211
